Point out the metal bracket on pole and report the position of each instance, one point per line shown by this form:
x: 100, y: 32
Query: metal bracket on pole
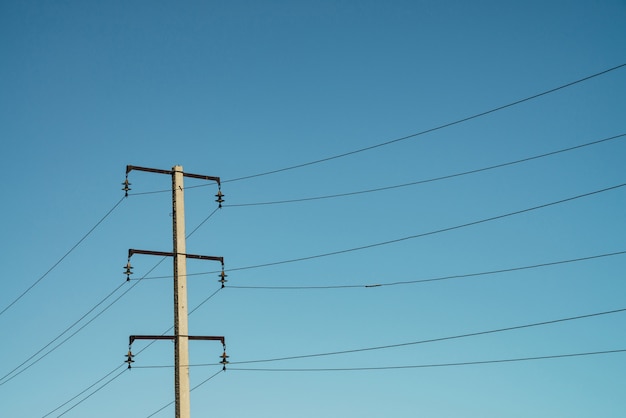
x: 219, y: 195
x: 129, y: 168
x: 132, y: 251
x: 132, y: 339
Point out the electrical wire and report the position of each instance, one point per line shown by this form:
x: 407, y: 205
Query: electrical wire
x: 561, y: 201
x: 78, y: 330
x: 436, y: 128
x: 191, y: 312
x: 170, y: 190
x: 12, y: 374
x: 418, y: 366
x: 172, y: 327
x: 84, y: 237
x: 405, y: 344
x: 117, y: 367
x: 92, y: 393
x: 61, y: 259
x: 4, y: 379
x: 433, y: 279
x: 438, y: 231
x: 393, y: 241
x: 202, y: 223
x: 446, y: 125
x: 191, y: 390
x: 413, y: 183
x: 70, y: 336
x: 466, y: 363
x: 85, y: 390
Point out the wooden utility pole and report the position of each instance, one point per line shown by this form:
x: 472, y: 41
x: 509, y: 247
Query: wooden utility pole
x: 181, y: 325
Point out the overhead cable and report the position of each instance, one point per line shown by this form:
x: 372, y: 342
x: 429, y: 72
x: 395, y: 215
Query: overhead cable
x: 124, y: 364
x: 419, y: 366
x: 14, y: 373
x: 169, y: 190
x: 414, y: 183
x: 4, y: 379
x: 393, y: 241
x: 61, y: 259
x: 446, y: 125
x: 191, y: 390
x: 405, y: 344
x: 17, y: 373
x: 85, y: 390
x: 432, y: 279
x: 92, y: 393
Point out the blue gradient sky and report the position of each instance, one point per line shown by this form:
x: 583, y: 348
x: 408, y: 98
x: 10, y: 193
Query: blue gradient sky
x: 234, y: 89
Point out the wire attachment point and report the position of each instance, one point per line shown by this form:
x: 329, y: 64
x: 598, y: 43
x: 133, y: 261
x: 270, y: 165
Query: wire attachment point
x: 223, y: 276
x: 129, y: 358
x: 219, y: 196
x: 126, y: 185
x: 128, y: 271
x: 224, y: 362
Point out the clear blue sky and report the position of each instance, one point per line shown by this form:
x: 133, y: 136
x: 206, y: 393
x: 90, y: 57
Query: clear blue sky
x: 235, y: 89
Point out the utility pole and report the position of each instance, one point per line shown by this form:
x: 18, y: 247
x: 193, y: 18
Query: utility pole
x: 181, y: 323
x: 181, y: 335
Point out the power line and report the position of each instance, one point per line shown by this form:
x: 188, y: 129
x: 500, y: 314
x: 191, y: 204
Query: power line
x: 79, y: 329
x: 117, y: 367
x: 413, y: 183
x: 472, y: 223
x: 361, y: 150
x: 405, y: 344
x: 85, y: 390
x: 393, y: 241
x: 169, y: 190
x: 436, y: 128
x: 92, y: 393
x: 465, y: 363
x: 250, y: 267
x: 433, y: 279
x: 192, y: 389
x: 202, y: 223
x: 446, y: 125
x: 61, y: 259
x: 68, y: 337
x: 6, y: 377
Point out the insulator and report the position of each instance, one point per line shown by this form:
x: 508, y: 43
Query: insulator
x: 128, y: 271
x: 222, y: 279
x: 129, y: 358
x: 126, y: 185
x: 224, y: 362
x: 219, y: 199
